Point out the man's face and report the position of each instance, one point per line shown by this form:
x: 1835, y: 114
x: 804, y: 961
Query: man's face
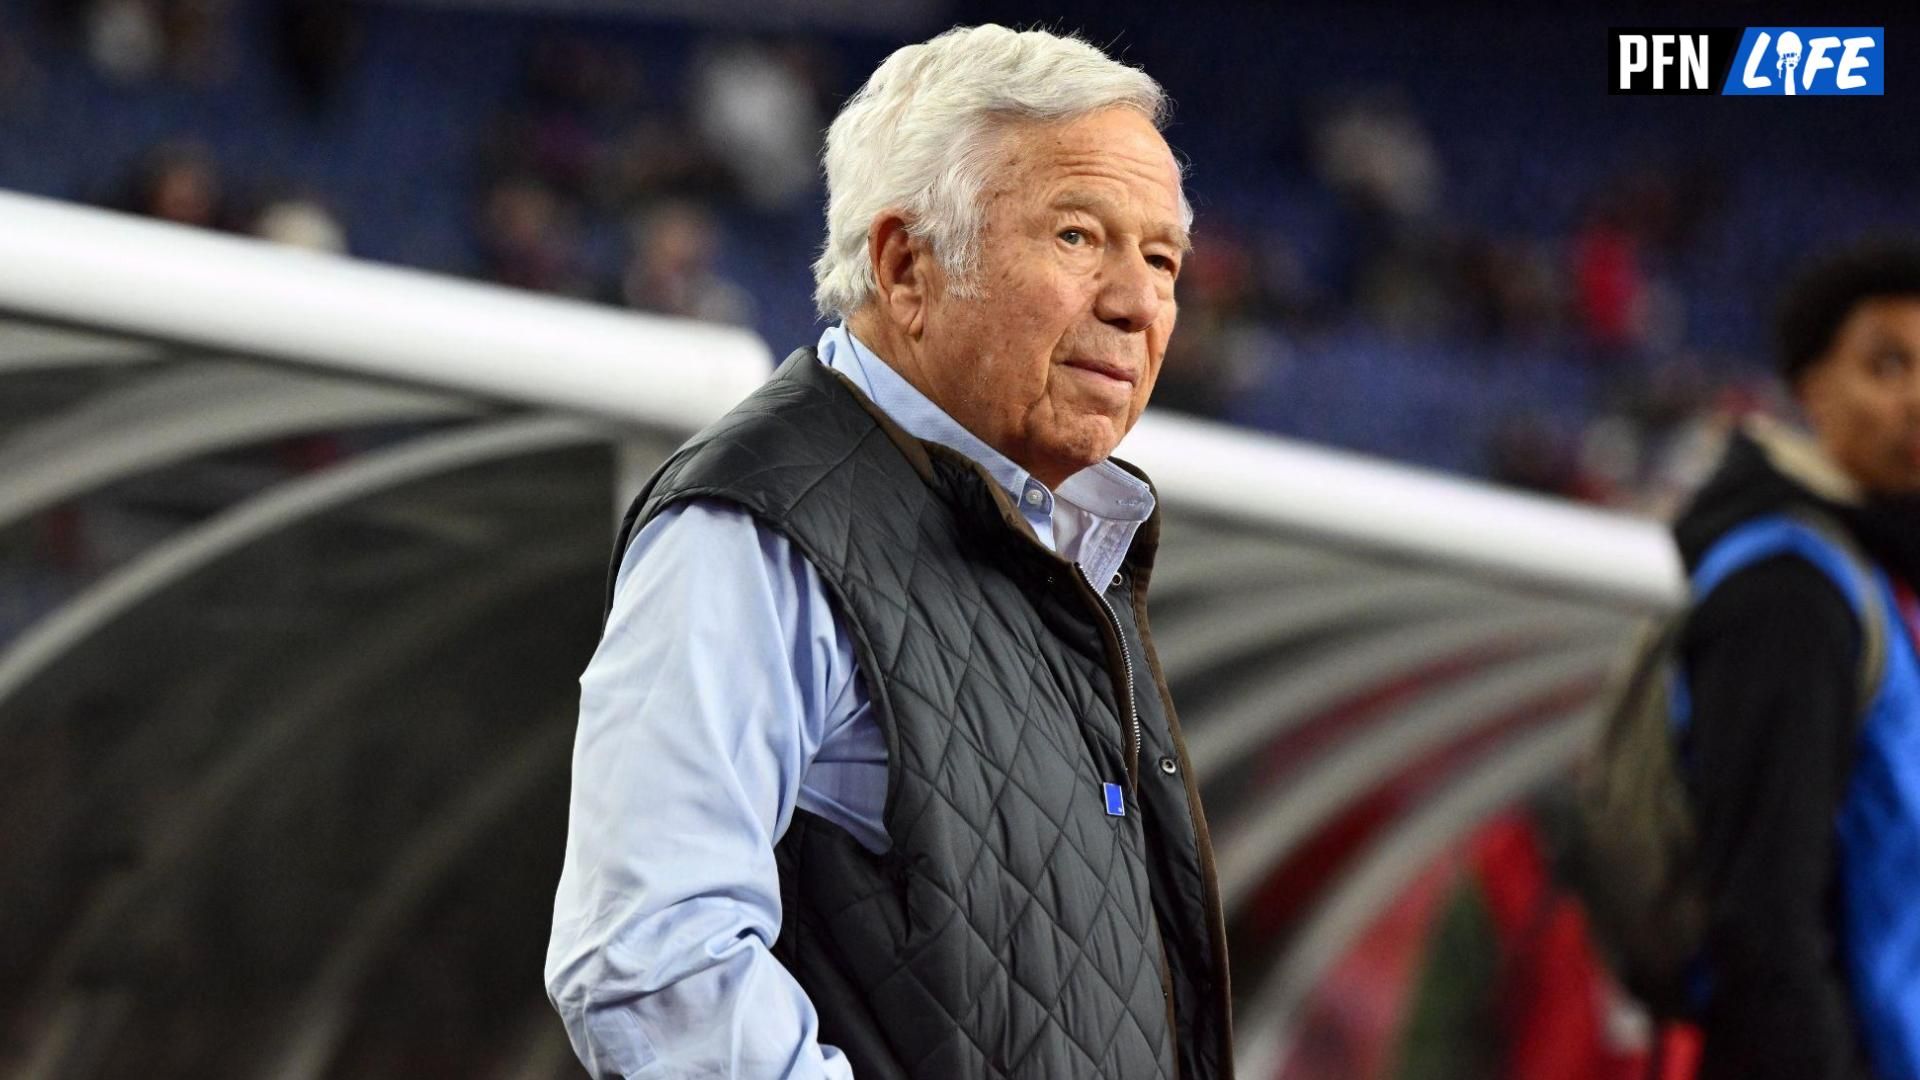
x: 1053, y: 359
x: 1863, y: 396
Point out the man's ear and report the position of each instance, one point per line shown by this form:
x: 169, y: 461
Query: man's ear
x: 901, y: 266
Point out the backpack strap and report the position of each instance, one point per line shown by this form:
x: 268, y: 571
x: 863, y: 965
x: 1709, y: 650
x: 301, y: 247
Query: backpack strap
x: 1820, y: 540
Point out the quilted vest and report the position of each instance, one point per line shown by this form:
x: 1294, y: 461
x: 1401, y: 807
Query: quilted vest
x: 1047, y: 907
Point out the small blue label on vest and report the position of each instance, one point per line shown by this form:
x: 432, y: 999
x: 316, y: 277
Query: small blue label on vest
x: 1116, y: 800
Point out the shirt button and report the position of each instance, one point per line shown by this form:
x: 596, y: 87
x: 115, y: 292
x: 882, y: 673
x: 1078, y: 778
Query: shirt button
x: 1167, y: 766
x: 1034, y: 497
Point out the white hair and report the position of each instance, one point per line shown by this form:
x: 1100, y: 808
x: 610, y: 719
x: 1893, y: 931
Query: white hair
x: 921, y: 138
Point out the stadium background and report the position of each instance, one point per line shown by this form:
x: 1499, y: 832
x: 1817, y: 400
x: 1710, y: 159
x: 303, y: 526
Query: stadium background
x: 299, y: 811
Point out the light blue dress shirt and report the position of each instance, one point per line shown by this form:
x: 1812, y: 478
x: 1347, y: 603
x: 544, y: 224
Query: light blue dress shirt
x: 724, y: 695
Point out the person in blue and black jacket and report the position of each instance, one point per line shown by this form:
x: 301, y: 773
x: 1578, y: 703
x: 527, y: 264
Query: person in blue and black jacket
x: 1805, y: 760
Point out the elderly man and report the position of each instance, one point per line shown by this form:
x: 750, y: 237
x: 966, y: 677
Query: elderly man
x: 876, y: 773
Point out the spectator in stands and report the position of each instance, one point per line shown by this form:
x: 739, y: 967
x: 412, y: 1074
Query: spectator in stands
x: 755, y: 105
x: 177, y: 182
x: 136, y: 40
x: 1610, y: 285
x: 1624, y: 304
x: 124, y: 38
x: 672, y: 271
x: 1806, y: 778
x: 876, y: 773
x: 1371, y: 149
x: 300, y: 222
x: 529, y: 239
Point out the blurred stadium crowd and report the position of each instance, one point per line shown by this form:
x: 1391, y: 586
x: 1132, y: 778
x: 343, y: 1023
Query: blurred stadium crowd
x: 1409, y: 243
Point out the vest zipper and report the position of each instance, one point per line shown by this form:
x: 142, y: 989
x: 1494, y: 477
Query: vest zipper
x: 1126, y: 659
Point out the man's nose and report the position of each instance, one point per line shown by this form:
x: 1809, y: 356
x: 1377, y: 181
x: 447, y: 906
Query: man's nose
x: 1130, y: 296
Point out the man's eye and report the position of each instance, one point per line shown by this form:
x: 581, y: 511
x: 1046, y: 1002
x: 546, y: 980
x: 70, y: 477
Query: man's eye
x: 1163, y: 262
x: 1073, y: 236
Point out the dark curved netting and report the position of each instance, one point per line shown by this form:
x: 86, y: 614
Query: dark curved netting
x: 272, y: 794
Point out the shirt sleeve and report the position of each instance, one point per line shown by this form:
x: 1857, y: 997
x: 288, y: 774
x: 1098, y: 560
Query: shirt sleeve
x: 1772, y: 661
x: 708, y: 696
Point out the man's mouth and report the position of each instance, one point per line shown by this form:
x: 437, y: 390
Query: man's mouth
x: 1116, y: 372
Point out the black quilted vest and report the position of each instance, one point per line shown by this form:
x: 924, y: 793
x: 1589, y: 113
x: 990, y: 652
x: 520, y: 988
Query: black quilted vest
x: 1014, y: 928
